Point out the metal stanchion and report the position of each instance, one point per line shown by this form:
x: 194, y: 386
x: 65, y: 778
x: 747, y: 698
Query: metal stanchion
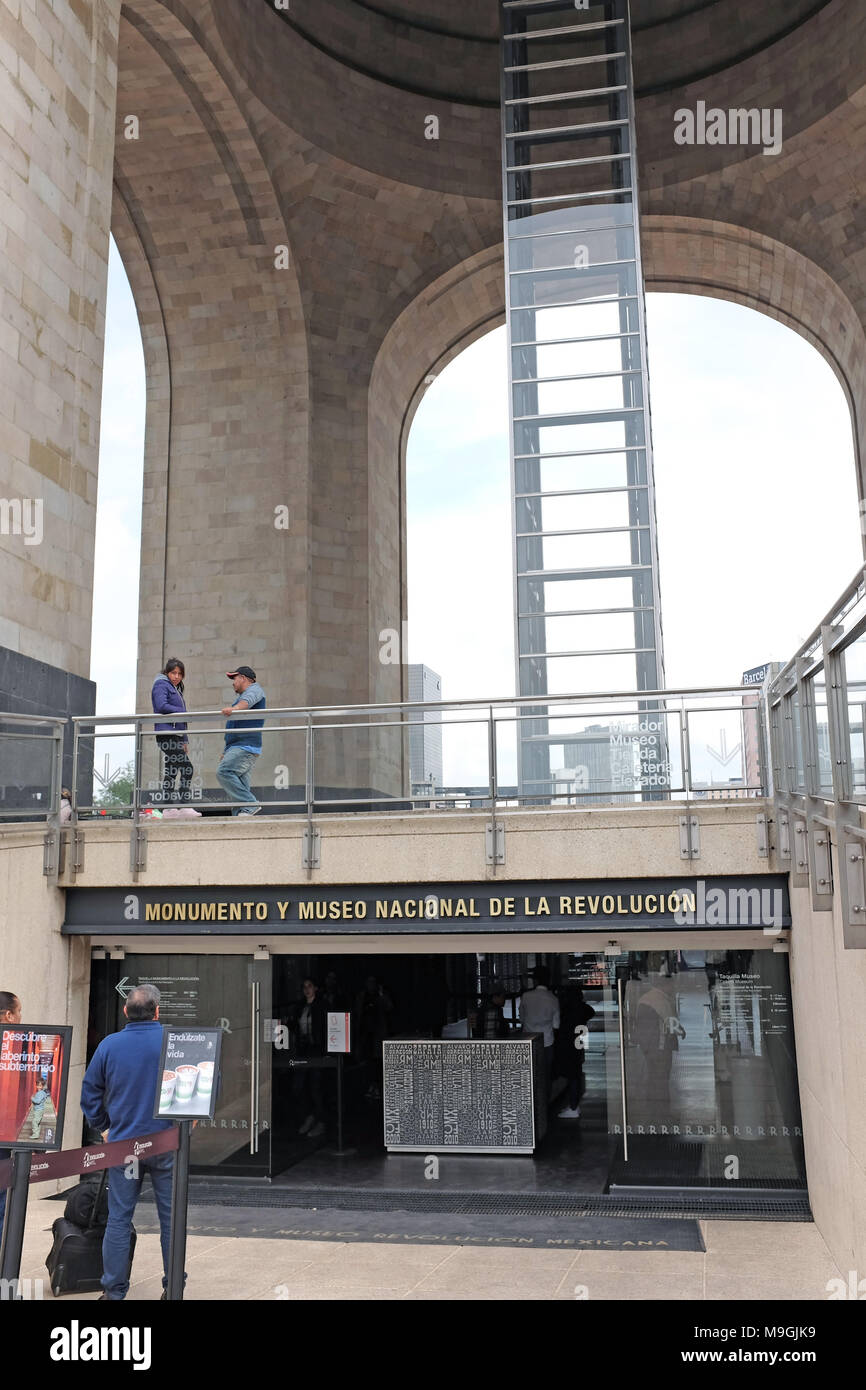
x: 179, y: 1205
x: 16, y: 1216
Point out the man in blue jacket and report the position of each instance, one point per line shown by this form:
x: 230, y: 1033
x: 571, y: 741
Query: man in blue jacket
x: 243, y: 742
x: 118, y: 1094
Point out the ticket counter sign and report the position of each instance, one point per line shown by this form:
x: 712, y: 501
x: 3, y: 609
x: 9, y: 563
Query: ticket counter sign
x: 188, y: 1073
x: 34, y: 1069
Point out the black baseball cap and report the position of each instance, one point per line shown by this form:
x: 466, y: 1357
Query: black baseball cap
x: 243, y: 671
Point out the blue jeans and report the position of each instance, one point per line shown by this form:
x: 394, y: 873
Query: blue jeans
x: 123, y: 1194
x: 233, y: 774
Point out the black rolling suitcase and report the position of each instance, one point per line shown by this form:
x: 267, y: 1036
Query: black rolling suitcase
x: 74, y: 1263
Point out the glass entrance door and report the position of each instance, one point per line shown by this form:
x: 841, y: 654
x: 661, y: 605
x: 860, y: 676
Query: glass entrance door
x: 707, y: 1091
x: 229, y: 992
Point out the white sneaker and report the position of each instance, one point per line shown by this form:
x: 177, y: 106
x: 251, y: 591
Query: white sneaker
x: 308, y: 1124
x: 568, y: 1114
x: 317, y: 1130
x: 253, y: 811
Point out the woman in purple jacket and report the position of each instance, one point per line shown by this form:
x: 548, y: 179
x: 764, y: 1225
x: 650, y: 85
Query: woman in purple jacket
x: 166, y: 696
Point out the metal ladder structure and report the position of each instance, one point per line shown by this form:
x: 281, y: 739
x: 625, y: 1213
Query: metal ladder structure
x: 587, y: 607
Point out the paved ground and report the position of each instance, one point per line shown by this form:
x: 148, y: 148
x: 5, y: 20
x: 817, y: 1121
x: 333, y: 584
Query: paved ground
x: 743, y: 1259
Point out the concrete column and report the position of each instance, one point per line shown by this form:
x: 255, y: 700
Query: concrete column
x: 58, y: 75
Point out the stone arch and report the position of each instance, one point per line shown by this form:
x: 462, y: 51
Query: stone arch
x: 197, y: 223
x: 699, y: 256
x: 450, y: 314
x: 689, y: 256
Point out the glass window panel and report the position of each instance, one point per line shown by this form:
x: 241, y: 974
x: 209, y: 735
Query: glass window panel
x: 717, y: 748
x: 822, y: 731
x: 602, y: 71
x: 572, y: 244
x: 597, y: 632
x: 574, y: 552
x: 589, y: 217
x: 574, y: 181
x: 583, y: 471
x: 582, y: 321
x: 592, y: 143
x: 556, y: 14
x: 581, y: 513
x: 854, y: 658
x: 576, y: 359
x: 563, y: 397
x: 574, y: 594
x: 565, y: 286
x: 585, y: 437
x: 568, y: 675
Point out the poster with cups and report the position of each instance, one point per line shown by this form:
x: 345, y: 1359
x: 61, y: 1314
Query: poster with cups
x: 34, y: 1068
x: 188, y: 1073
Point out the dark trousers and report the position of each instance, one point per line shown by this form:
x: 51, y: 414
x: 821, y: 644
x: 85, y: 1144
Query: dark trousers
x: 123, y: 1193
x: 576, y: 1084
x: 308, y: 1091
x: 176, y: 765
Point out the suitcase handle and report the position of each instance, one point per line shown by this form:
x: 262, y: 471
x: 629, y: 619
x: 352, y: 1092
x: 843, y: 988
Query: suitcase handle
x: 96, y: 1200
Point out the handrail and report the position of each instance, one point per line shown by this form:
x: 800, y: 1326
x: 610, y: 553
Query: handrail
x: 504, y: 701
x: 382, y: 779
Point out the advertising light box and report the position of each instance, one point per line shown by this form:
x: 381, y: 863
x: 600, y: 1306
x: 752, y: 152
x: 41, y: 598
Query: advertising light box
x: 34, y: 1068
x: 188, y: 1073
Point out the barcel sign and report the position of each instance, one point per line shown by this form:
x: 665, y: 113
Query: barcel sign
x: 576, y: 905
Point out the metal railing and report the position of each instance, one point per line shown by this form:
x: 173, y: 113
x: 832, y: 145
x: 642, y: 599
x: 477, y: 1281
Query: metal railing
x: 621, y: 747
x: 612, y: 748
x: 817, y: 713
x: 31, y: 766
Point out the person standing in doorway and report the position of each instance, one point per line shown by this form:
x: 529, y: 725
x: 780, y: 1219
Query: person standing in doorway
x: 539, y: 1013
x: 243, y: 742
x: 167, y: 697
x: 312, y: 1041
x: 571, y: 1047
x: 117, y: 1096
x: 490, y: 1022
x: 370, y: 1025
x: 10, y: 1013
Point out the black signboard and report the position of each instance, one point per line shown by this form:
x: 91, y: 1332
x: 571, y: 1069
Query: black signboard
x: 189, y: 1073
x: 34, y: 1070
x: 460, y: 1095
x: 742, y: 902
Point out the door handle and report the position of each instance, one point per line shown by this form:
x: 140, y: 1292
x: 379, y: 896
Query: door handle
x: 254, y: 1069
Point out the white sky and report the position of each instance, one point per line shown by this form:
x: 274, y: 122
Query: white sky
x: 756, y: 500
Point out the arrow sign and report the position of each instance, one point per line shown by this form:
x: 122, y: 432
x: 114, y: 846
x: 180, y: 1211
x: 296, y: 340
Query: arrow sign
x: 724, y: 757
x: 123, y: 987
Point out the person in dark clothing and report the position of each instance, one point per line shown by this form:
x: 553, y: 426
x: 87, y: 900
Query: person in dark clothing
x: 335, y: 1001
x: 370, y: 1023
x: 575, y: 1014
x: 10, y: 1012
x: 311, y: 1043
x: 167, y: 697
x: 490, y: 1022
x: 117, y: 1095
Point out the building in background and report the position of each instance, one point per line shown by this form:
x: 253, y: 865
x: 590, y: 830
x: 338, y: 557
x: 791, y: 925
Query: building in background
x: 425, y: 734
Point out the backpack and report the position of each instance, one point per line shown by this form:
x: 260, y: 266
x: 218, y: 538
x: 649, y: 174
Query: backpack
x: 87, y: 1204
